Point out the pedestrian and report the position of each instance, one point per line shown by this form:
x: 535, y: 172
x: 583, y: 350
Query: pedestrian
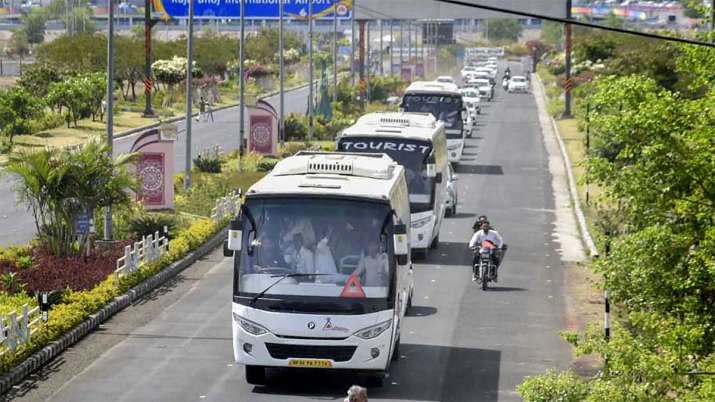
x: 202, y: 109
x: 209, y: 111
x: 356, y: 393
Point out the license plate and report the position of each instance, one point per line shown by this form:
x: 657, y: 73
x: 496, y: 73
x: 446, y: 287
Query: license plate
x: 310, y: 363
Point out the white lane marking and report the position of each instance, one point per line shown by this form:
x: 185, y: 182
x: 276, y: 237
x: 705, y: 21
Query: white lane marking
x: 426, y: 297
x: 548, y: 267
x: 433, y: 281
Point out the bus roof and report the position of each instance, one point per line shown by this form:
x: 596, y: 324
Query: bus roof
x: 419, y: 126
x: 373, y: 176
x: 432, y: 87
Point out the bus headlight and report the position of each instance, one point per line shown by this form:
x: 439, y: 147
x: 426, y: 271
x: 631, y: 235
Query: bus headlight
x: 374, y: 331
x: 249, y: 326
x: 419, y: 223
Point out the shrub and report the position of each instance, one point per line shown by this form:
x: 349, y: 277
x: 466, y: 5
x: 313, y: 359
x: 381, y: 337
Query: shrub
x: 553, y: 386
x: 150, y: 223
x: 207, y: 164
x: 296, y: 128
x: 267, y: 164
x: 47, y: 121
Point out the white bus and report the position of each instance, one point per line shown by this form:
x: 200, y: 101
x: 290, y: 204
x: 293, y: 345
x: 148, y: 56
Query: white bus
x: 322, y: 274
x: 417, y: 141
x: 444, y: 102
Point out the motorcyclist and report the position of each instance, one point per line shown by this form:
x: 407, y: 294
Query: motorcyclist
x: 489, y: 235
x: 505, y: 83
x: 507, y: 73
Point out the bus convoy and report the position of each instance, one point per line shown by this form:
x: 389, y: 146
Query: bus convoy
x: 323, y: 245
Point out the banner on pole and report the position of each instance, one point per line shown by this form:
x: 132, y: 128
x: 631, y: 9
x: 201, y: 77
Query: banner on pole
x: 263, y: 129
x: 255, y: 9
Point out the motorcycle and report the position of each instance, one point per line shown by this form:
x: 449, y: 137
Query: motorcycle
x: 485, y: 269
x: 505, y: 84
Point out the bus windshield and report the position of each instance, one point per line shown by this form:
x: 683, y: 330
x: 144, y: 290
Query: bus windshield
x: 411, y: 154
x: 343, y: 242
x: 442, y: 107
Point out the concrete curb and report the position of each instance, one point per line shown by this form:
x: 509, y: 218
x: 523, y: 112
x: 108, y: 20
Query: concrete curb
x: 580, y: 217
x: 56, y: 347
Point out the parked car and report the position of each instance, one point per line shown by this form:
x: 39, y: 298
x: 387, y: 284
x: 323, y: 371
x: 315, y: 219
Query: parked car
x: 518, y: 83
x: 452, y: 198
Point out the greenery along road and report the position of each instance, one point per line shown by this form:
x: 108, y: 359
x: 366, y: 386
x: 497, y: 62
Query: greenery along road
x: 652, y: 157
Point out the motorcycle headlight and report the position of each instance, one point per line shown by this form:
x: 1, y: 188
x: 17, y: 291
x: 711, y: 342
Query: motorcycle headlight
x: 420, y: 222
x: 374, y: 330
x: 249, y: 326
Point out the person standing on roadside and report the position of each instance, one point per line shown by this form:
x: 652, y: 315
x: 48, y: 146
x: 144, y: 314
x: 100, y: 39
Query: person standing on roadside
x: 356, y: 393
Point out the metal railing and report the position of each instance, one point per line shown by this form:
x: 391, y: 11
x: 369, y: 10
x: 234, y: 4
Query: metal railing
x: 226, y: 207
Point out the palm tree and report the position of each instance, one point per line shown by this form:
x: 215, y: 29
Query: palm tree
x: 60, y: 184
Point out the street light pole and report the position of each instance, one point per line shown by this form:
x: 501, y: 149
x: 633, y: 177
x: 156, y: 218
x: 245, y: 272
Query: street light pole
x: 110, y: 108
x: 392, y: 47
x: 368, y: 59
x: 189, y: 94
x: 567, y: 50
x: 310, y: 70
x: 352, y: 43
x: 402, y: 42
x: 335, y: 50
x: 148, y: 85
x: 242, y: 80
x: 281, y: 62
x: 382, y: 51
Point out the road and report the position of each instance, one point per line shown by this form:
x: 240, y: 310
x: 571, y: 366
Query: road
x: 18, y: 224
x: 458, y: 343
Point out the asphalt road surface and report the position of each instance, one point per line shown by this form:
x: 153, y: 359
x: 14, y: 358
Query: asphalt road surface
x: 17, y: 224
x: 459, y: 343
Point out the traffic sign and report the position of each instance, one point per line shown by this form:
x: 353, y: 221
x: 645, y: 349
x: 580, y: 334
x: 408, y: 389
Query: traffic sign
x: 255, y: 9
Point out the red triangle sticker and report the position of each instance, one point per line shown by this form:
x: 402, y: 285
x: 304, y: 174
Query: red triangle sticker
x: 352, y: 288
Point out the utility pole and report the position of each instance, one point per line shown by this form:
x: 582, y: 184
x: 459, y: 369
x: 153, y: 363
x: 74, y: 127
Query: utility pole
x: 712, y: 17
x: 281, y: 62
x: 110, y: 108
x: 367, y: 75
x: 409, y: 42
x: 361, y: 56
x: 310, y: 69
x: 242, y: 80
x: 148, y: 83
x: 382, y: 51
x: 401, y: 44
x: 567, y: 50
x: 392, y: 47
x: 352, y: 43
x: 335, y: 50
x: 189, y: 94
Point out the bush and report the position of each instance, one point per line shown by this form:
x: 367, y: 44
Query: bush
x: 207, y: 164
x: 150, y: 223
x: 47, y: 121
x: 296, y: 128
x: 267, y: 164
x: 553, y: 386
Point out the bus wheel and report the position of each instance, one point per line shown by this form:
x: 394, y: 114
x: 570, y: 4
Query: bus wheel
x: 256, y: 375
x: 435, y: 243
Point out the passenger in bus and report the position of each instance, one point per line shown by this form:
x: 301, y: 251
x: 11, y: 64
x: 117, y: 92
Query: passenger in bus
x: 269, y: 253
x: 304, y: 259
x: 374, y: 266
x: 298, y: 225
x: 324, y: 260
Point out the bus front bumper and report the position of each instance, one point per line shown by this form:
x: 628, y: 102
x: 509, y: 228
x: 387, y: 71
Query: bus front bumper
x: 351, y: 353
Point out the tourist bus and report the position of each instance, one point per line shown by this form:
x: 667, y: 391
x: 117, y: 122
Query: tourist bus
x: 322, y: 269
x: 418, y: 142
x: 444, y: 102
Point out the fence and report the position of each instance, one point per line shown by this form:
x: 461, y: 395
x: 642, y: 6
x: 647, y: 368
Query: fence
x: 148, y: 250
x: 227, y: 207
x: 15, y: 331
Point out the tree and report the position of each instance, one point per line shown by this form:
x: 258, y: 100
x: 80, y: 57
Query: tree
x: 17, y: 108
x: 19, y: 44
x: 36, y: 79
x: 504, y: 29
x: 78, y: 97
x: 59, y: 185
x: 34, y: 25
x: 75, y: 54
x: 264, y: 46
x: 129, y: 64
x: 552, y: 33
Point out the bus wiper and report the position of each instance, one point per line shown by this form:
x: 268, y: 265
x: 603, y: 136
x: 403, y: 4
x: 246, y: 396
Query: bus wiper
x: 280, y: 278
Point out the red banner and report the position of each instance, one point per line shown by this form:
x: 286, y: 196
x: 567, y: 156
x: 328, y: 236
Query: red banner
x: 261, y: 134
x: 151, y: 172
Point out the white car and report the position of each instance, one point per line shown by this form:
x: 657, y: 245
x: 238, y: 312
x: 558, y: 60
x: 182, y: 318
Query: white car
x: 466, y: 71
x: 452, y: 198
x: 485, y: 88
x: 491, y: 73
x: 518, y: 83
x: 446, y: 79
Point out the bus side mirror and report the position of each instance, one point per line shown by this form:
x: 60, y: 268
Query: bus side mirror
x: 401, y: 243
x: 431, y: 170
x: 438, y: 178
x: 235, y: 237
